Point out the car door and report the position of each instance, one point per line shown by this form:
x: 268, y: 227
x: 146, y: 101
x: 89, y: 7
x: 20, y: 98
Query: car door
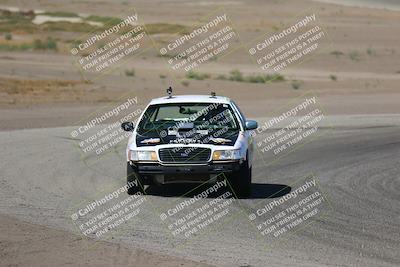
x: 247, y: 133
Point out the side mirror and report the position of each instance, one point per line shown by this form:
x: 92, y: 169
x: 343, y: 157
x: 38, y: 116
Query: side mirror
x: 128, y: 126
x: 251, y: 125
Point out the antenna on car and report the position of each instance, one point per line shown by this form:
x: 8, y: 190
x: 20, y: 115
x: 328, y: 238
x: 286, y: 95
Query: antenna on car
x: 213, y: 94
x: 169, y: 92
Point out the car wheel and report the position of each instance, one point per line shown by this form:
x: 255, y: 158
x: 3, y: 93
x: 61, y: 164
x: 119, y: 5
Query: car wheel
x: 241, y: 181
x: 131, y: 176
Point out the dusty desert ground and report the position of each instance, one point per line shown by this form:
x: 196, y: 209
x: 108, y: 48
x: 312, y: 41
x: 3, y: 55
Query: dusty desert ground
x: 355, y: 75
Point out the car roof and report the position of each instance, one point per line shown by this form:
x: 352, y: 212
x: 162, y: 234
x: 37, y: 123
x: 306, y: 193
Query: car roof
x: 190, y: 99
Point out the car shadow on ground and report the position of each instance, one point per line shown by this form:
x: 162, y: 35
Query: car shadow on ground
x: 258, y: 191
x: 269, y: 190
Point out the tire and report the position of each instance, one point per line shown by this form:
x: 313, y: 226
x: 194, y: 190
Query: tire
x: 131, y: 176
x: 241, y: 181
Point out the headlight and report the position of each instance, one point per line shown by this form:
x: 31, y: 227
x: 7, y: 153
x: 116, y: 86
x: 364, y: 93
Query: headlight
x: 226, y: 154
x: 136, y: 155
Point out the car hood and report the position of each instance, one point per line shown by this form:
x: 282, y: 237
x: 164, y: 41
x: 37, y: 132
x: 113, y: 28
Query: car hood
x: 161, y: 138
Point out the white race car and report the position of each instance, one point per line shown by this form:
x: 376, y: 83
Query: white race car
x: 190, y: 139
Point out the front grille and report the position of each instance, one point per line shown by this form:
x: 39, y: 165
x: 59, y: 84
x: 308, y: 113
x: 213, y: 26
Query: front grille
x: 184, y: 154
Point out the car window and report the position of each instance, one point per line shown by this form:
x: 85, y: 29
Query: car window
x: 241, y: 115
x: 176, y: 112
x: 203, y: 115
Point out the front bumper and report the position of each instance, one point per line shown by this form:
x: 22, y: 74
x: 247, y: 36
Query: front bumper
x: 184, y: 173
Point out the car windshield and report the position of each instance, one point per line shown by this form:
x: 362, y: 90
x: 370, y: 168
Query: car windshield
x: 192, y: 115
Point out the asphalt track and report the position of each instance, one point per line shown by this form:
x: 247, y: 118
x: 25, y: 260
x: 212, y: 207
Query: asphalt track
x: 355, y: 160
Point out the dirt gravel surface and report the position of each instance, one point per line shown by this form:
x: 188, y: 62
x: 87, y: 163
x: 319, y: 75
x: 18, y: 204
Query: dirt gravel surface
x: 43, y: 181
x: 25, y: 244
